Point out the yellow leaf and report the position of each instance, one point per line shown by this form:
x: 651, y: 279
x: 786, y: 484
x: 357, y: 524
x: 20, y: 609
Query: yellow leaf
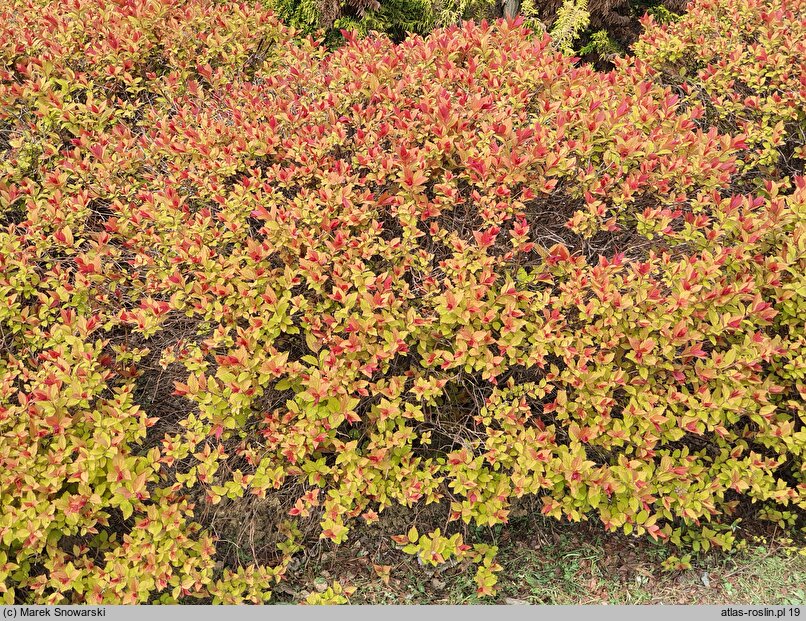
x: 127, y: 509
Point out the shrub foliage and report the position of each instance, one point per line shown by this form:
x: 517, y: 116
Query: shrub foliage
x: 243, y: 280
x: 744, y: 64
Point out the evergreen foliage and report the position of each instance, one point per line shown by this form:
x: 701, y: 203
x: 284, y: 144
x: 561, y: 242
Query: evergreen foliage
x: 603, y: 28
x: 601, y: 44
x: 572, y: 20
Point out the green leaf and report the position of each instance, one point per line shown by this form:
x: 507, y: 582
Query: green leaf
x: 126, y: 508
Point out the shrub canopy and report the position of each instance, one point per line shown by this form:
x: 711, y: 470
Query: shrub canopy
x: 243, y: 280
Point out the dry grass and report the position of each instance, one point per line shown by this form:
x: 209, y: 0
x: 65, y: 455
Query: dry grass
x: 548, y: 563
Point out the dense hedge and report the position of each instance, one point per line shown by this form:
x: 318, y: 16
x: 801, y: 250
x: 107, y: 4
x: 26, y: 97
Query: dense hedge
x: 245, y: 281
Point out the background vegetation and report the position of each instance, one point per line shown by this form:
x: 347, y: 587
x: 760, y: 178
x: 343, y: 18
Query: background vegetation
x: 598, y: 29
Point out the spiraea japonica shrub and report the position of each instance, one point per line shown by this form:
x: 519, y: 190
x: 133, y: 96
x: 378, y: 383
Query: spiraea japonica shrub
x: 744, y: 63
x: 248, y: 281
